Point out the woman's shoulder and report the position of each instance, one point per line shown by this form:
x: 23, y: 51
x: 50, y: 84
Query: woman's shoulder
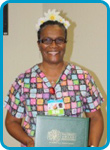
x: 30, y: 72
x: 77, y: 69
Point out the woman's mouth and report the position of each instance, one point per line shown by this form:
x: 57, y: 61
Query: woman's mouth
x: 53, y: 53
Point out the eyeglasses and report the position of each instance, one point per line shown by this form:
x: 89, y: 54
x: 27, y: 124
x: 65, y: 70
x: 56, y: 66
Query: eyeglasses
x: 49, y: 41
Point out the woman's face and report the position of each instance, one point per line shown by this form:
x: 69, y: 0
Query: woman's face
x: 52, y: 53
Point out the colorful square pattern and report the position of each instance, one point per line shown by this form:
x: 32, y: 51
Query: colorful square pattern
x: 29, y: 95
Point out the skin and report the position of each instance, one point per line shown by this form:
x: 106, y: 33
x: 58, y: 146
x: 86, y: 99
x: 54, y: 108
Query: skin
x: 13, y: 126
x: 96, y: 127
x: 52, y: 66
x: 52, y: 32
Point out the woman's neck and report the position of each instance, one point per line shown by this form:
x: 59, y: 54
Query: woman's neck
x: 53, y: 71
x: 46, y: 67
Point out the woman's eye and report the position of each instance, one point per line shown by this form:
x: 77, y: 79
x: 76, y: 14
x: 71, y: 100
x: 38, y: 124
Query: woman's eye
x: 47, y: 40
x: 59, y: 40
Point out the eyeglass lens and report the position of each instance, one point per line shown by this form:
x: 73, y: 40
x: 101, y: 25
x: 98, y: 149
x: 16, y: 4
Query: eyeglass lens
x: 57, y: 40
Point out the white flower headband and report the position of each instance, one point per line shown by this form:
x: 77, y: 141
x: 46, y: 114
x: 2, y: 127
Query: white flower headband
x: 53, y: 16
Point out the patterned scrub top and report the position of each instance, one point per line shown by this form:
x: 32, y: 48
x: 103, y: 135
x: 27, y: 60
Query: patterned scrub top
x: 30, y: 93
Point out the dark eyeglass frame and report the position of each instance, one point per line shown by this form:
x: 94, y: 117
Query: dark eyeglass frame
x: 51, y: 41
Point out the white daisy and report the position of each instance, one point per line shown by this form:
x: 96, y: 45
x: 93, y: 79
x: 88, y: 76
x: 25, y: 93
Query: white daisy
x: 37, y: 27
x: 66, y: 24
x: 54, y: 16
x: 51, y: 15
x: 50, y: 12
x: 60, y: 19
x: 41, y: 21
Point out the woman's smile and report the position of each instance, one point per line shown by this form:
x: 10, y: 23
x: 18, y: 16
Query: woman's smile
x: 52, y: 52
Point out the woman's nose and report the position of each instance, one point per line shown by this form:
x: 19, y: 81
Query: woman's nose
x: 53, y: 44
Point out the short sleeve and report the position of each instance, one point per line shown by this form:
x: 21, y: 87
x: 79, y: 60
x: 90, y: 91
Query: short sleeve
x: 93, y: 99
x: 14, y: 100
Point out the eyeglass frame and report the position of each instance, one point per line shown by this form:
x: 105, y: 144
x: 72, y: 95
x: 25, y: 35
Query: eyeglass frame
x: 41, y: 41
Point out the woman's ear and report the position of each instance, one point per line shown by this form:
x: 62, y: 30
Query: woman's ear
x: 38, y: 44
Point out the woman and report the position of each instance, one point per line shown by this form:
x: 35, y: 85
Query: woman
x: 52, y: 79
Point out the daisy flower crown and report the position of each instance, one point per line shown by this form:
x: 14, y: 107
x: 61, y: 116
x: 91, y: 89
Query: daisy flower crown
x: 52, y: 15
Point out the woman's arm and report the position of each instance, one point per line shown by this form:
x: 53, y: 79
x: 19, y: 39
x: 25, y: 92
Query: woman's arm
x: 96, y: 127
x: 13, y: 126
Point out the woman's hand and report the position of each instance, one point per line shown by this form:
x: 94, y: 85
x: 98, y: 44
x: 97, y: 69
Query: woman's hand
x: 30, y: 143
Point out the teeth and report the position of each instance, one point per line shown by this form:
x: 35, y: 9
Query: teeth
x: 53, y: 53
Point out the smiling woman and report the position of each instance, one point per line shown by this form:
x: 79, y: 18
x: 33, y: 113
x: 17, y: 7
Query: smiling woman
x: 52, y: 52
x: 52, y: 80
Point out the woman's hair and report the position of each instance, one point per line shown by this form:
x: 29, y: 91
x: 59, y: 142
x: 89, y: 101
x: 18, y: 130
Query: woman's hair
x: 52, y: 23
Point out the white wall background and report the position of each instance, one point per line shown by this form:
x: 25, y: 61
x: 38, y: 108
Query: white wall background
x: 87, y: 45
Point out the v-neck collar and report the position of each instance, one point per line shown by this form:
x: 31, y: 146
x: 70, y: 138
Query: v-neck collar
x: 62, y: 77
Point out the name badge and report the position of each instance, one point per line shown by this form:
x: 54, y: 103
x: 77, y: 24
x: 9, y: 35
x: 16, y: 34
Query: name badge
x: 56, y: 107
